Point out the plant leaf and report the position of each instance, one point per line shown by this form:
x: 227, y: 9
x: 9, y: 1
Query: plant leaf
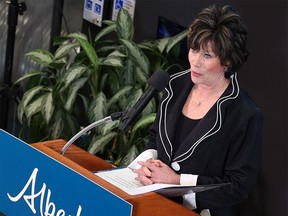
x: 117, y: 53
x: 98, y: 143
x: 72, y: 74
x: 73, y: 91
x: 111, y: 61
x: 57, y: 127
x: 109, y: 22
x: 48, y: 107
x: 77, y: 35
x: 134, y: 97
x: 143, y: 122
x: 98, y: 107
x: 20, y: 113
x: 31, y: 93
x: 127, y: 76
x: 35, y: 106
x: 105, y: 31
x: 29, y: 75
x: 141, y: 76
x: 162, y: 44
x: 176, y: 39
x: 148, y: 45
x: 109, y: 126
x: 41, y: 56
x: 85, y: 101
x: 89, y: 50
x: 121, y: 93
x: 150, y: 107
x: 64, y: 49
x: 130, y: 156
x: 73, y: 128
x: 125, y: 28
x: 138, y: 55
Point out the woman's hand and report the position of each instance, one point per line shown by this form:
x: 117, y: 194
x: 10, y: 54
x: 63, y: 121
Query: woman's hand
x: 155, y: 171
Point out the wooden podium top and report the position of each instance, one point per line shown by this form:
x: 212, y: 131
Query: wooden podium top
x: 85, y: 163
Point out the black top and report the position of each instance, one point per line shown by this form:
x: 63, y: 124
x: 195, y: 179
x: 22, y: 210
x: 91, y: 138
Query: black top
x: 184, y: 126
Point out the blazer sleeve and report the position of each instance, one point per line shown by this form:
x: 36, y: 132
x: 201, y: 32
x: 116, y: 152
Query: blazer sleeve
x: 241, y: 167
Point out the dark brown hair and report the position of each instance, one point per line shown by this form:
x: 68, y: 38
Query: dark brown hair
x: 227, y: 32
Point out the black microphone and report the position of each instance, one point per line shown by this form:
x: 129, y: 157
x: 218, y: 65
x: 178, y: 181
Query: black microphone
x: 158, y: 82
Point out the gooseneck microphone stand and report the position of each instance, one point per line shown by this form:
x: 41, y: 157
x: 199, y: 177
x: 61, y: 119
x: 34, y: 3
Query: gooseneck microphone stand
x: 112, y: 117
x: 6, y: 93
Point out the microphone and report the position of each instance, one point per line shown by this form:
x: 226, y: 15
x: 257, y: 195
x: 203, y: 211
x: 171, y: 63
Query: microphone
x: 158, y: 82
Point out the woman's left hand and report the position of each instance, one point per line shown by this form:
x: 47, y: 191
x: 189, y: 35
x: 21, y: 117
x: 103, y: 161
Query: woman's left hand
x: 155, y: 171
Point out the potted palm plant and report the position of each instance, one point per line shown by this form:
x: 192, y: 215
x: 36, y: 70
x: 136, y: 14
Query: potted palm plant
x: 86, y: 80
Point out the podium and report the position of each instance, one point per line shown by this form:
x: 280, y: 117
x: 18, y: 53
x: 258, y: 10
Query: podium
x: 81, y: 164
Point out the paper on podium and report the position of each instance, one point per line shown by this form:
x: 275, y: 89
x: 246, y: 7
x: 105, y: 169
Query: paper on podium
x: 124, y: 178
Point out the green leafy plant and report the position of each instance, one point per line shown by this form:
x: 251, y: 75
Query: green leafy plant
x: 85, y: 80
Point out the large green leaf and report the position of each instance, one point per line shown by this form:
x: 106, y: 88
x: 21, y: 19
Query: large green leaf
x: 133, y: 152
x: 87, y: 47
x: 35, y: 107
x: 85, y: 101
x: 105, y: 31
x: 73, y: 91
x: 98, y: 107
x: 125, y: 28
x: 148, y: 45
x: 150, y: 107
x: 64, y: 49
x: 77, y: 35
x: 29, y: 75
x: 98, y: 143
x: 73, y: 123
x: 20, y: 113
x: 134, y: 97
x: 28, y: 97
x: 41, y: 56
x: 113, y: 61
x: 176, y: 39
x: 48, y: 108
x: 141, y: 76
x: 89, y: 50
x: 72, y: 74
x: 127, y: 75
x: 63, y: 125
x: 143, y: 122
x: 121, y: 93
x: 56, y: 130
x: 162, y: 44
x: 117, y: 53
x: 109, y: 126
x: 30, y: 94
x: 138, y: 55
x: 106, y: 49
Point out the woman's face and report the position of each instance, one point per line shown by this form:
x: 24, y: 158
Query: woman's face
x: 205, y: 66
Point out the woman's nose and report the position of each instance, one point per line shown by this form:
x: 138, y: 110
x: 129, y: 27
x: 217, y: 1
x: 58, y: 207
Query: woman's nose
x: 197, y: 59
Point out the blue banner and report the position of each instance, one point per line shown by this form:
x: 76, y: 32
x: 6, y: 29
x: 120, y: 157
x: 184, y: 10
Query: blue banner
x: 32, y: 183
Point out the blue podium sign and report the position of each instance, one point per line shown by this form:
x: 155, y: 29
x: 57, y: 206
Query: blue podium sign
x: 32, y: 183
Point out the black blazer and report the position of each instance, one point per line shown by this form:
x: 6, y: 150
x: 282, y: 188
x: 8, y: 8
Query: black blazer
x: 223, y: 147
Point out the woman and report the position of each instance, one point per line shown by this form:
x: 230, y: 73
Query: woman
x: 208, y: 130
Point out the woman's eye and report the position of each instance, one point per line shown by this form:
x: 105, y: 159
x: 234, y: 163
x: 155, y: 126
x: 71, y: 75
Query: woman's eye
x: 207, y: 56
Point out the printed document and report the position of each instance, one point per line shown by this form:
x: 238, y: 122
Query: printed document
x: 124, y: 178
